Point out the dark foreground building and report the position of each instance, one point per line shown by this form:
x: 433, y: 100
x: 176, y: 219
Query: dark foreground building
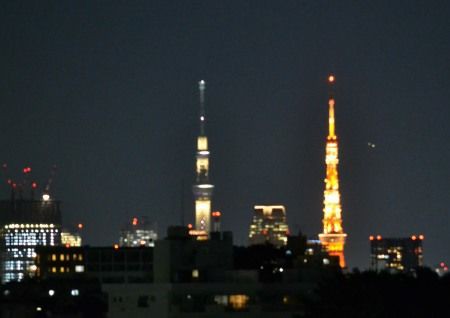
x: 180, y: 277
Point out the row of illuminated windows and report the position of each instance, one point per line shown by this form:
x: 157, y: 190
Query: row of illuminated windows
x: 14, y: 265
x: 8, y: 277
x: 14, y: 232
x: 66, y: 257
x: 65, y: 269
x: 30, y: 239
x: 20, y: 253
x: 12, y: 226
x: 50, y: 242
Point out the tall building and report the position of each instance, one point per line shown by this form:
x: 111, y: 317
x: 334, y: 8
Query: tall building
x: 24, y: 225
x: 71, y: 239
x: 139, y: 233
x: 269, y: 225
x: 333, y: 236
x: 396, y: 254
x: 202, y: 188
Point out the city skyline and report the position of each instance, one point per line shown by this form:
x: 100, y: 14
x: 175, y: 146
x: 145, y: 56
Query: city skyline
x: 109, y: 95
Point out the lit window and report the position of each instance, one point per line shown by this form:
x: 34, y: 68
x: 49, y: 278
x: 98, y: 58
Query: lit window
x: 53, y: 269
x: 75, y: 292
x: 238, y: 302
x: 61, y: 269
x: 53, y: 257
x: 61, y: 257
x: 79, y: 268
x: 195, y: 273
x: 221, y: 300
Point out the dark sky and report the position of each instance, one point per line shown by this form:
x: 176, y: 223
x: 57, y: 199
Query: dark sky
x: 107, y: 91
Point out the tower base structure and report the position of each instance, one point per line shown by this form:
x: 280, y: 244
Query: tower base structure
x: 334, y: 245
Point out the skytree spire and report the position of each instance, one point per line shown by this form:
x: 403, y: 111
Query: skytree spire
x: 202, y: 188
x: 333, y: 236
x: 201, y: 87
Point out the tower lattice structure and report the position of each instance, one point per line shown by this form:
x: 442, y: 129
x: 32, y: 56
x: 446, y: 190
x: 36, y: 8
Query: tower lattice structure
x: 333, y: 236
x: 202, y: 188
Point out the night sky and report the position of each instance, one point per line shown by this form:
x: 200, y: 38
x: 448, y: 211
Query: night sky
x: 108, y: 92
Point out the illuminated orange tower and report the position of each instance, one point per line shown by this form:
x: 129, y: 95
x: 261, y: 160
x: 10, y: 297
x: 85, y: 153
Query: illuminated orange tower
x: 333, y: 237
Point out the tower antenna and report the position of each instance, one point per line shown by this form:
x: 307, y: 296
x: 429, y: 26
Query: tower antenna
x: 201, y: 87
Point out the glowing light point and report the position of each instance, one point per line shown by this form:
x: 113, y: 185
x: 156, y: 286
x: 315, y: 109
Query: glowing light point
x: 331, y: 78
x: 46, y: 197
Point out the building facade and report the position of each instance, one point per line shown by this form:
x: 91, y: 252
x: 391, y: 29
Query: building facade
x: 396, y: 254
x: 269, y: 225
x: 24, y: 225
x: 333, y: 236
x: 139, y: 233
x: 109, y: 265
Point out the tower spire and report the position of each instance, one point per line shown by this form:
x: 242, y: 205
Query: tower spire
x: 333, y: 236
x: 331, y: 121
x: 201, y: 88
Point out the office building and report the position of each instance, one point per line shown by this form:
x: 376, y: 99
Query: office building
x: 396, y: 254
x: 24, y: 225
x: 139, y: 232
x: 269, y: 225
x: 109, y: 265
x: 70, y: 239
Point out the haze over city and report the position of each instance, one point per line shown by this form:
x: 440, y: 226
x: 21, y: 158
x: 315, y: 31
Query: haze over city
x: 109, y: 95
